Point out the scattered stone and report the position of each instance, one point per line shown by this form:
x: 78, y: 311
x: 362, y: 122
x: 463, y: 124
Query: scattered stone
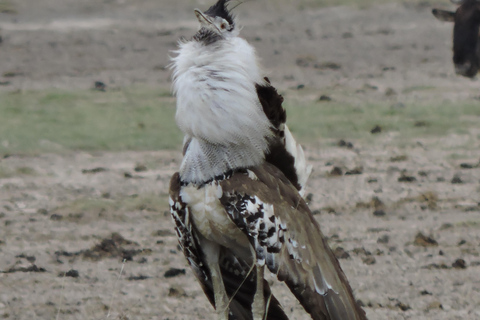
x: 469, y: 165
x: 336, y: 171
x: 446, y: 226
x: 376, y: 230
x: 345, y: 144
x: 71, y: 273
x: 42, y: 211
x: 56, y: 217
x: 173, y: 272
x: 176, y: 291
x: 137, y: 278
x: 406, y: 178
x: 379, y: 213
x: 369, y: 87
x: 425, y: 293
x: 99, y: 86
x: 434, y: 305
x: 140, y: 168
x: 324, y: 98
x: 399, y: 158
x: 316, y: 212
x: 456, y: 180
x: 436, y: 266
x: 304, y: 62
x: 114, y: 247
x: 309, y: 197
x: 389, y: 69
x: 430, y: 198
x: 94, y: 170
x: 300, y: 86
x: 163, y: 233
x: 127, y: 175
x: 327, y: 65
x: 11, y: 74
x: 423, y: 241
x: 459, y: 264
x: 372, y: 180
x: 376, y: 203
x: 376, y: 129
x: 422, y: 173
x: 421, y: 124
x: 359, y: 251
x: 354, y: 171
x: 383, y: 239
x: 340, y: 253
x: 369, y: 260
x: 32, y: 268
x: 403, y: 306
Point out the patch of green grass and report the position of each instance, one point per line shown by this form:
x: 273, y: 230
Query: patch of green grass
x: 20, y: 171
x: 5, y: 173
x: 26, y: 171
x: 56, y: 121
x: 7, y: 7
x: 417, y: 88
x: 314, y: 121
x: 141, y: 118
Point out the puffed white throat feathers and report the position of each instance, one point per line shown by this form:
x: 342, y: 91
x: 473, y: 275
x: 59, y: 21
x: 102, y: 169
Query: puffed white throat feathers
x: 218, y: 108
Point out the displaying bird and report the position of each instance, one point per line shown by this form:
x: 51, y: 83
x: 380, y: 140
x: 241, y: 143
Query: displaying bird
x: 237, y: 199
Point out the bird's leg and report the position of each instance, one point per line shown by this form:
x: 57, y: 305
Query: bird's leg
x: 258, y: 306
x: 212, y: 254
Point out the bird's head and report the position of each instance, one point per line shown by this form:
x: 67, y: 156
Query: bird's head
x: 216, y: 23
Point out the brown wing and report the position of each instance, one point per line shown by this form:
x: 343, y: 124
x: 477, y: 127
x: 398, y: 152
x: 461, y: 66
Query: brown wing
x: 286, y: 237
x: 233, y: 270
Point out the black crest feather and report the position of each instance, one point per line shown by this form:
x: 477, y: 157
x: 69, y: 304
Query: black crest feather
x: 220, y: 9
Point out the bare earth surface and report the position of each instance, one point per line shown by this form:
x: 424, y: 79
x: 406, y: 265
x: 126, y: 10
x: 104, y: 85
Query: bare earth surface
x: 68, y: 221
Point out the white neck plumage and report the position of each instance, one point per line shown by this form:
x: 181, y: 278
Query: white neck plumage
x: 218, y: 109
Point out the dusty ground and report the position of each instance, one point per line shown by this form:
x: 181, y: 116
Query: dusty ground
x: 58, y: 215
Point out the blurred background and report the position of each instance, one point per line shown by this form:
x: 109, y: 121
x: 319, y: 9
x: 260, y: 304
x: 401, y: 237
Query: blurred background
x: 88, y: 143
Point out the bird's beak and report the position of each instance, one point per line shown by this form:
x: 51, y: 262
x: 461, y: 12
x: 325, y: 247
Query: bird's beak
x: 204, y: 20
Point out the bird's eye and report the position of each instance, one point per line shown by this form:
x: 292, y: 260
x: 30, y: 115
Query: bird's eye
x: 223, y: 26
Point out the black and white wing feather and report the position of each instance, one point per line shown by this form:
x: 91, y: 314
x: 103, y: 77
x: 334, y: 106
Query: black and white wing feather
x: 283, y: 152
x: 287, y: 239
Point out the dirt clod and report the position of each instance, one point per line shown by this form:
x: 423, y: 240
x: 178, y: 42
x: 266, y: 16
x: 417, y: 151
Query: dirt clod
x: 340, y: 253
x: 459, y: 264
x: 336, y: 171
x: 376, y: 129
x: 456, y: 180
x: 369, y: 260
x: 173, y: 272
x: 94, y: 170
x: 422, y: 240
